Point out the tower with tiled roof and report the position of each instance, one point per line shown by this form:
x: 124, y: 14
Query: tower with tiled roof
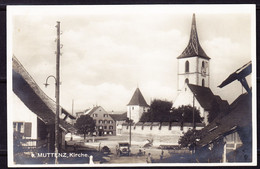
x: 137, y: 106
x: 193, y: 63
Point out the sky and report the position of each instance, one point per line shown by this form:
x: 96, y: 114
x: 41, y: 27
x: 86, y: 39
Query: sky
x: 109, y: 51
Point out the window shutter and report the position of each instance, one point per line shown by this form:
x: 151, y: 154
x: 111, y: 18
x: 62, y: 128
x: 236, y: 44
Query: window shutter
x: 27, y: 129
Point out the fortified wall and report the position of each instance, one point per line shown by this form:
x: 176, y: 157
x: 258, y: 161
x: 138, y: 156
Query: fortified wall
x: 157, y: 128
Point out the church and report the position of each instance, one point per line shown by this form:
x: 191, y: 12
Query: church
x: 194, y: 78
x: 193, y: 83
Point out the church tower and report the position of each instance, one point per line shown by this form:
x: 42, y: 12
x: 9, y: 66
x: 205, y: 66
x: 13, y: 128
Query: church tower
x: 193, y: 63
x: 137, y: 106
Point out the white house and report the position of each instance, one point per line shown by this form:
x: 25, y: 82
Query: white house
x: 137, y: 106
x: 35, y: 117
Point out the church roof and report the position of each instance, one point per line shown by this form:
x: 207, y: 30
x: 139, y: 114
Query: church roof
x: 193, y: 49
x: 138, y: 99
x: 205, y: 97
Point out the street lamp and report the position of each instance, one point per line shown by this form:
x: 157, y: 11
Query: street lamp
x: 57, y: 92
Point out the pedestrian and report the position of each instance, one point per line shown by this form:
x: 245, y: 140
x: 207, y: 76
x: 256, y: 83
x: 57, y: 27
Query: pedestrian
x: 161, y: 156
x: 149, y: 158
x: 144, y: 152
x: 91, y: 160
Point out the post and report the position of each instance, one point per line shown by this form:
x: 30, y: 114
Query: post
x: 57, y: 94
x: 193, y: 111
x: 130, y: 128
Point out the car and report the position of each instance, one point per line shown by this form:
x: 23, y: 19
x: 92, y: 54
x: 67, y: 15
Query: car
x: 123, y: 149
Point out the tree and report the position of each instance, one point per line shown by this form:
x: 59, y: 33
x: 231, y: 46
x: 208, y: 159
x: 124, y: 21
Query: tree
x: 189, y: 139
x: 85, y: 124
x: 185, y: 114
x: 159, y: 111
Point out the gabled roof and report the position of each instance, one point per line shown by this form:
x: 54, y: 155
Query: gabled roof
x: 203, y: 94
x: 138, y: 99
x: 119, y: 117
x: 240, y: 116
x: 34, y: 98
x: 91, y: 111
x: 193, y: 49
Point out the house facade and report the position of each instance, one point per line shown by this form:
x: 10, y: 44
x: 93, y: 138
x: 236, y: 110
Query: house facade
x: 119, y: 119
x: 105, y: 124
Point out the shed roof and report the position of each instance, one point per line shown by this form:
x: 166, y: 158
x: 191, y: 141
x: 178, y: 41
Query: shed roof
x: 34, y: 98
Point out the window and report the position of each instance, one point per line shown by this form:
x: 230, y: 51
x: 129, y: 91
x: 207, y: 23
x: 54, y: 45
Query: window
x: 27, y: 129
x: 19, y: 127
x: 187, y: 80
x: 110, y: 121
x: 105, y: 127
x: 100, y: 121
x: 133, y: 108
x: 203, y: 83
x: 110, y: 127
x: 105, y: 115
x: 105, y: 121
x: 94, y: 115
x: 187, y: 66
x: 203, y: 64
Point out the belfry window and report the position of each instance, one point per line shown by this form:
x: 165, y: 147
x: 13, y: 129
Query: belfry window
x: 187, y: 66
x: 187, y: 80
x: 203, y: 83
x: 203, y: 64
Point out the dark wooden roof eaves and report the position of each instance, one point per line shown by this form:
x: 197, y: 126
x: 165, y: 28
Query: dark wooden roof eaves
x: 119, y: 117
x: 138, y: 99
x: 240, y: 116
x: 33, y: 97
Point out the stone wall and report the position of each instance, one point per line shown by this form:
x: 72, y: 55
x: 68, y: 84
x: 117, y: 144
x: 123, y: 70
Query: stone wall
x: 157, y: 128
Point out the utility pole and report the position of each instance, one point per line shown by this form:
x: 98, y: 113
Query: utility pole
x: 57, y: 91
x: 130, y: 128
x: 193, y: 111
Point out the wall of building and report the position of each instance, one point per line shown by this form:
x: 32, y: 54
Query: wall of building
x: 191, y: 75
x: 136, y: 112
x: 21, y: 114
x: 194, y: 75
x: 104, y: 122
x: 185, y: 97
x: 200, y: 76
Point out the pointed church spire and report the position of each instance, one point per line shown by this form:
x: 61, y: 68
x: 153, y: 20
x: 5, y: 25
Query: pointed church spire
x: 138, y: 99
x: 193, y: 49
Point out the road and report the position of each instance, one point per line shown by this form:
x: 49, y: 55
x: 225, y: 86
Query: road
x: 127, y: 159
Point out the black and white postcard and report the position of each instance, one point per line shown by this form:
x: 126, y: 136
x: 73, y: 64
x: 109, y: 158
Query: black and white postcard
x: 131, y: 85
